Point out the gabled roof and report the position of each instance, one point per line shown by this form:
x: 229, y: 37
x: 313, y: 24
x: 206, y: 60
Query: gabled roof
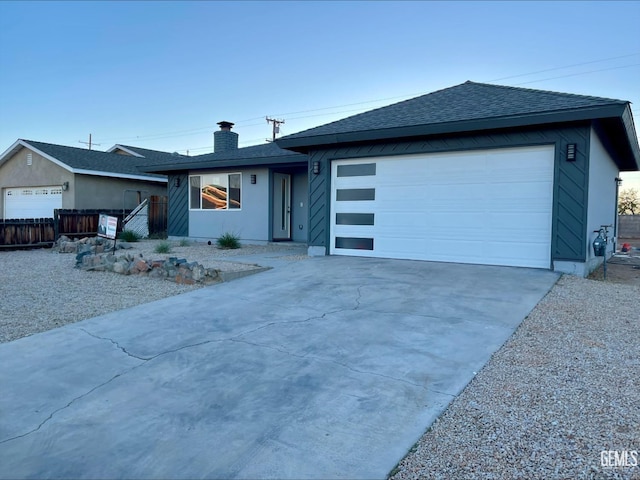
x: 267, y: 154
x: 87, y: 162
x: 150, y: 156
x: 468, y: 107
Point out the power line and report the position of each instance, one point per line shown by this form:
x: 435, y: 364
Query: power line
x: 178, y: 133
x: 175, y: 133
x: 566, y: 66
x: 580, y: 73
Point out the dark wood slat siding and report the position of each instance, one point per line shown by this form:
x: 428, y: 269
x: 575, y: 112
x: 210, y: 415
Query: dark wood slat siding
x: 570, y: 185
x: 178, y: 224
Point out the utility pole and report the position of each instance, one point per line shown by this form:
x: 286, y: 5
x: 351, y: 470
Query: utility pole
x: 89, y: 142
x: 276, y: 128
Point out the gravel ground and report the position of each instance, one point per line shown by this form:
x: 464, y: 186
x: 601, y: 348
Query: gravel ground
x: 562, y: 389
x: 42, y: 289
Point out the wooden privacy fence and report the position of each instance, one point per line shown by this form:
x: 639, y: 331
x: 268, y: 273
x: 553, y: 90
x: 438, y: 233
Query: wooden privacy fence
x: 40, y: 232
x: 158, y: 215
x: 27, y: 232
x: 82, y: 223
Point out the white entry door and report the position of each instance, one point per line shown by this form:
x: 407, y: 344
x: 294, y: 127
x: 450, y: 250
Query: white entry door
x: 489, y: 207
x: 281, y: 206
x: 32, y: 202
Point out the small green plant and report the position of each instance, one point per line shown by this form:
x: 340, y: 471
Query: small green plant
x: 163, y: 247
x: 129, y: 236
x: 228, y: 241
x: 184, y: 242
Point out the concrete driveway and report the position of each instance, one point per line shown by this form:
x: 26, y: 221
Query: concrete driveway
x: 329, y: 367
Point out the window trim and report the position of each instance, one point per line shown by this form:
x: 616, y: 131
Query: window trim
x: 200, y: 177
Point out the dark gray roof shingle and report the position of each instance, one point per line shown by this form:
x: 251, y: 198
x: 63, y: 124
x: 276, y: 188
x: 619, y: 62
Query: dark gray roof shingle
x: 94, y: 160
x: 461, y: 103
x: 152, y: 157
x: 257, y: 155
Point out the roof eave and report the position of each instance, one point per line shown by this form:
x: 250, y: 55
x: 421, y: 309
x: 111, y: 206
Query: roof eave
x: 127, y: 176
x: 304, y: 144
x: 12, y: 150
x: 629, y: 127
x: 23, y: 143
x: 210, y: 164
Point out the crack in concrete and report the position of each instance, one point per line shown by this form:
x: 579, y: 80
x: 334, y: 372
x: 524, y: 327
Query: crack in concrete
x: 144, y: 360
x: 152, y: 357
x: 280, y: 349
x: 71, y: 402
x: 234, y: 338
x: 116, y: 344
x: 285, y: 322
x: 358, y: 297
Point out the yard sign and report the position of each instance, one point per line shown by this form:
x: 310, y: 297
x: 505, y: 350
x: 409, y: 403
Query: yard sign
x: 107, y: 226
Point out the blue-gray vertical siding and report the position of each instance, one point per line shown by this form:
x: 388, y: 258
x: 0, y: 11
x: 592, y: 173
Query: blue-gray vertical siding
x: 178, y: 222
x: 570, y: 194
x: 570, y: 185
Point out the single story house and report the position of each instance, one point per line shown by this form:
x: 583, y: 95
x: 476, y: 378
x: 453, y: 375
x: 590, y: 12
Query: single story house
x: 474, y: 173
x: 259, y: 193
x: 36, y: 178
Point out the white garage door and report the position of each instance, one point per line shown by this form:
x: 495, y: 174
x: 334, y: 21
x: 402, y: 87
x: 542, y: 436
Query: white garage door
x: 489, y: 207
x: 32, y: 202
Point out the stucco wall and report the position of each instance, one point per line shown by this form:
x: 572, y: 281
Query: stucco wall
x: 602, y: 194
x: 85, y: 191
x: 15, y: 172
x: 250, y: 222
x: 90, y: 191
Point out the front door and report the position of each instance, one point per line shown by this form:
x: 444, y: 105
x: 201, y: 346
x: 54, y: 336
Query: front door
x: 281, y: 206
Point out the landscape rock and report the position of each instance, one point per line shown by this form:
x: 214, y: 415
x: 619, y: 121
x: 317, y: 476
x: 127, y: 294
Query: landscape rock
x: 177, y: 270
x: 142, y: 266
x: 119, y: 267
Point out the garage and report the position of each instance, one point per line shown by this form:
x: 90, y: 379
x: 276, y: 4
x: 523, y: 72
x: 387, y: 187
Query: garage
x: 489, y: 206
x: 32, y: 202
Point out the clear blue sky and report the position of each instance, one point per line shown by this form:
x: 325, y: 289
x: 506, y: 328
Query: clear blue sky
x: 160, y: 75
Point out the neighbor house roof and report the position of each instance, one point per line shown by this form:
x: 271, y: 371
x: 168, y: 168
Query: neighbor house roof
x: 150, y: 156
x: 471, y: 107
x: 87, y: 162
x: 268, y: 154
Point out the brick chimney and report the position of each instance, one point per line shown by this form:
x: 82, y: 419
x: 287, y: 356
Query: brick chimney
x: 224, y: 139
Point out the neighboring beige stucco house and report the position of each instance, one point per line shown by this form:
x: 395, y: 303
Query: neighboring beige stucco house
x: 36, y: 178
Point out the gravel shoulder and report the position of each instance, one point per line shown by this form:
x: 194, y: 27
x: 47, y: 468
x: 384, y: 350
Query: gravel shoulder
x: 561, y: 390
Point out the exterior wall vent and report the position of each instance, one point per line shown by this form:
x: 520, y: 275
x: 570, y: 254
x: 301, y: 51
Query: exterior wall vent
x: 29, y: 159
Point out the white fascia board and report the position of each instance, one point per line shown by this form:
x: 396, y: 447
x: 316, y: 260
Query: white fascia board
x: 124, y: 149
x: 24, y: 144
x: 10, y: 151
x: 119, y: 175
